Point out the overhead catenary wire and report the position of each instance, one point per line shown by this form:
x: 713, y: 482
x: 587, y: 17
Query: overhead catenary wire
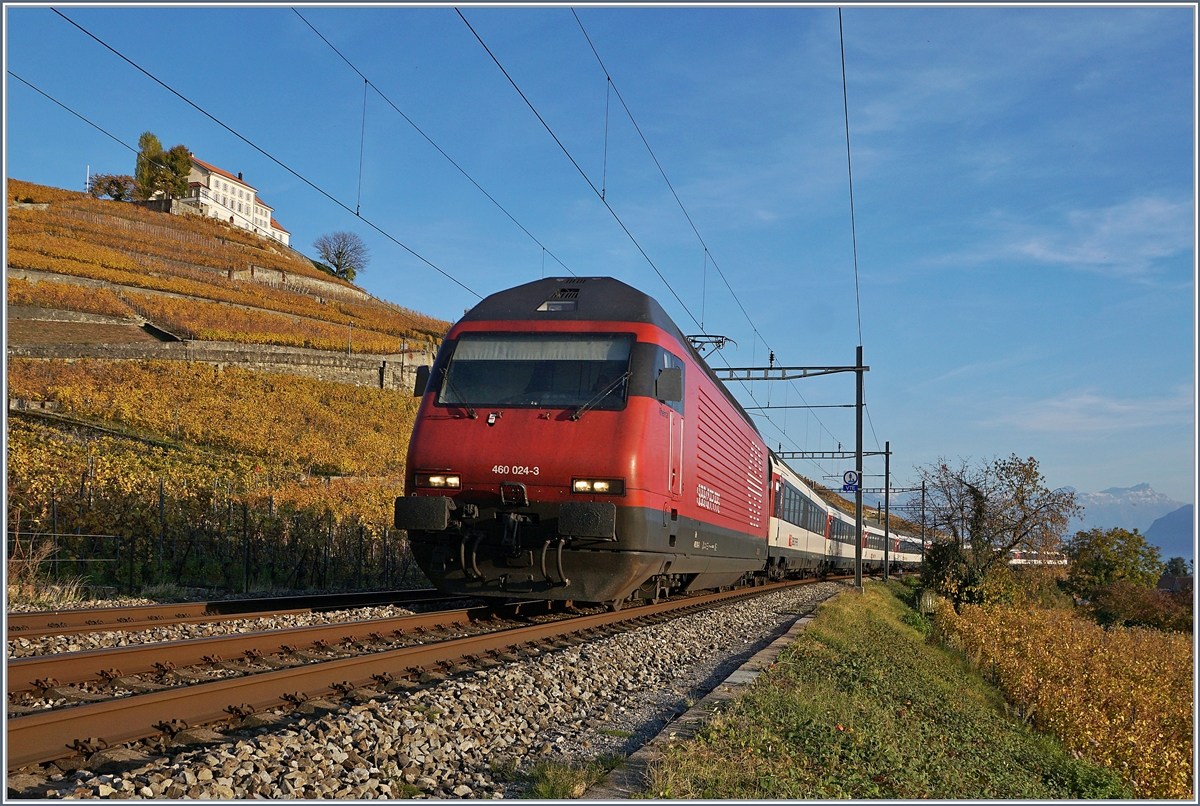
x: 850, y: 175
x: 361, y: 147
x: 592, y: 185
x: 431, y: 142
x: 604, y: 174
x: 582, y: 173
x: 266, y: 154
x: 95, y: 126
x: 91, y: 123
x: 707, y: 253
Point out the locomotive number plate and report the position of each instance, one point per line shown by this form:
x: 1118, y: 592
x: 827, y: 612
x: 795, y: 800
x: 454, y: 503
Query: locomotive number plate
x: 516, y: 470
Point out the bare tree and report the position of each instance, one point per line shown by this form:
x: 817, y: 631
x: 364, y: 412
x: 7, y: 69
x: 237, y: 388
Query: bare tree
x: 983, y: 512
x: 343, y: 253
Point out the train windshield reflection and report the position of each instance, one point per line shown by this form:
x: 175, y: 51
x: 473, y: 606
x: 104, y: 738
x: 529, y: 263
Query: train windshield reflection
x: 555, y: 370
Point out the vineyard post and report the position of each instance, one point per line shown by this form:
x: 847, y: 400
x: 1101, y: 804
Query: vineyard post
x: 54, y: 526
x: 245, y: 550
x: 328, y: 549
x: 132, y: 550
x: 387, y: 582
x: 162, y: 527
x: 358, y: 574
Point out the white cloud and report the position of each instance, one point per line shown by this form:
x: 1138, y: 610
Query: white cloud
x: 1127, y: 240
x: 1086, y: 410
x: 1123, y: 240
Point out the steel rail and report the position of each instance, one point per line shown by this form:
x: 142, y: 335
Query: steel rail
x: 46, y: 736
x: 32, y: 673
x: 50, y: 631
x: 82, y: 620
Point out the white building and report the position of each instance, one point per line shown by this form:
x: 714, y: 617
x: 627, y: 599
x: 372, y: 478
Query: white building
x: 222, y: 195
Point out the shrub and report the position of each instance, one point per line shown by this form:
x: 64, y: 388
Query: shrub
x: 1125, y: 604
x: 1120, y: 696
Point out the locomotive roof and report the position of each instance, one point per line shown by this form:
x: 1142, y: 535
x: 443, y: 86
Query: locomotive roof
x: 596, y: 299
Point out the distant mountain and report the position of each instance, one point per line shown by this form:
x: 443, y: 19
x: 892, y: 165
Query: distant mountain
x: 1173, y: 533
x: 1127, y: 507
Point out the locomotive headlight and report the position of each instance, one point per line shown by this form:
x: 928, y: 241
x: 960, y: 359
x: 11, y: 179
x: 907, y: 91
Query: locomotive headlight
x: 442, y: 480
x: 598, y: 486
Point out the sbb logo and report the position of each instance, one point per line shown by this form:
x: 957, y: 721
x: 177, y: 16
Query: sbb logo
x: 708, y: 499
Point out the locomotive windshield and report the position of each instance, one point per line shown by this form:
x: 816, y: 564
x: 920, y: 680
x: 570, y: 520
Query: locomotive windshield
x: 557, y: 370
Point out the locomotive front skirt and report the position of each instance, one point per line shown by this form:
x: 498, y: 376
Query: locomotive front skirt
x: 572, y: 445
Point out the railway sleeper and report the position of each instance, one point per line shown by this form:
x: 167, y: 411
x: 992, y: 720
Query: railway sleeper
x: 303, y: 705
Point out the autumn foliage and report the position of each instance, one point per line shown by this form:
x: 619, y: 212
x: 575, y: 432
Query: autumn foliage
x: 66, y: 297
x: 1120, y: 696
x: 141, y: 510
x: 1127, y: 604
x: 192, y: 256
x: 333, y: 428
x: 210, y: 321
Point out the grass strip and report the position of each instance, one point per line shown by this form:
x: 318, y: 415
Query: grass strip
x: 550, y: 779
x: 863, y: 706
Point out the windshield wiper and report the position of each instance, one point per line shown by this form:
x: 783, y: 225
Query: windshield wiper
x: 462, y: 399
x: 603, y: 393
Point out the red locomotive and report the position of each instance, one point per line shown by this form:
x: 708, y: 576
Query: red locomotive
x: 572, y: 445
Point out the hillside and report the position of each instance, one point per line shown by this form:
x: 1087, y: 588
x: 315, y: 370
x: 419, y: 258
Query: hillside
x: 1174, y: 533
x: 193, y: 277
x: 190, y: 403
x: 872, y: 516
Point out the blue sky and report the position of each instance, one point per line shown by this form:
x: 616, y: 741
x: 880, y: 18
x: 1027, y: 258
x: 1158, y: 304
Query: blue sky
x: 1023, y: 189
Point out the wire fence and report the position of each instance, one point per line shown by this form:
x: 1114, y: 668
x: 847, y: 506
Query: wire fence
x: 211, y: 541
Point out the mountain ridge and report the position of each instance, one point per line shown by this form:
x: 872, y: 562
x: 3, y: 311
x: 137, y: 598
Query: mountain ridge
x: 1135, y: 507
x: 1174, y: 533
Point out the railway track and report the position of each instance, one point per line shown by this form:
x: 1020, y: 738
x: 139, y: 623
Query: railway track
x: 42, y: 672
x: 373, y: 669
x: 80, y: 621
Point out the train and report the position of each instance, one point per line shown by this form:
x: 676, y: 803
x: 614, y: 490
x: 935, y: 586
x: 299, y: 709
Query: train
x: 571, y: 444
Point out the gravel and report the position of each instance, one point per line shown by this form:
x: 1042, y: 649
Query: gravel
x: 468, y: 736
x: 54, y: 644
x: 83, y: 604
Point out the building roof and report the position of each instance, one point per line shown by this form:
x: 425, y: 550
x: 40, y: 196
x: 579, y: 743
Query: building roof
x: 1174, y: 583
x: 276, y: 225
x: 262, y: 203
x: 225, y: 174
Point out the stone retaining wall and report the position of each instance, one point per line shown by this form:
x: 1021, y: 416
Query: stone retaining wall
x: 396, y: 371
x: 34, y: 313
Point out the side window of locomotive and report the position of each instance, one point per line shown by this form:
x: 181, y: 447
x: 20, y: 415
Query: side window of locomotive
x: 647, y: 360
x: 437, y: 371
x: 671, y: 361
